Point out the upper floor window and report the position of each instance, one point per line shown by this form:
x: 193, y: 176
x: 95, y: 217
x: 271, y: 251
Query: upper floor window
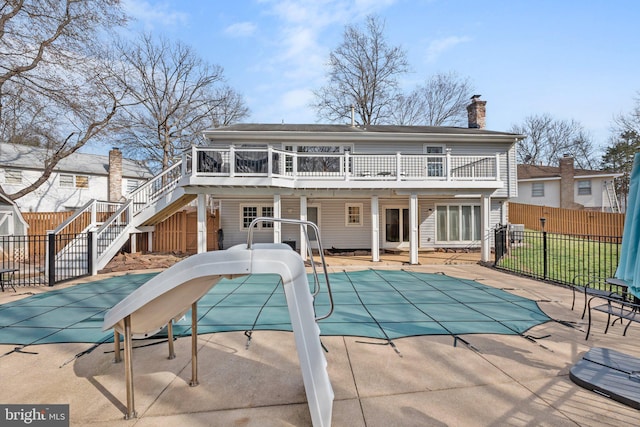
x: 13, y: 176
x: 537, y: 189
x: 71, y: 181
x: 435, y: 163
x: 353, y: 214
x: 584, y: 187
x: 250, y: 212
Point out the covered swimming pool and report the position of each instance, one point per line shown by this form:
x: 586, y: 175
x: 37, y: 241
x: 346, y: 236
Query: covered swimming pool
x: 384, y: 304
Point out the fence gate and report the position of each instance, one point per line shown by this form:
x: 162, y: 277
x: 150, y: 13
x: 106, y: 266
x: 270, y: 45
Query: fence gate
x: 501, y: 235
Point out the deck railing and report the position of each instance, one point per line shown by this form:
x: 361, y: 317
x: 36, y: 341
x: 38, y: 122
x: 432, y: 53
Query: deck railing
x: 269, y: 162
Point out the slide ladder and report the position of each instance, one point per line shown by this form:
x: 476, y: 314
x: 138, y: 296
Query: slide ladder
x: 169, y: 295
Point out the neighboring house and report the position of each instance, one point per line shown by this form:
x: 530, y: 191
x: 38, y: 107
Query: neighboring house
x: 367, y: 187
x: 76, y: 179
x: 567, y: 187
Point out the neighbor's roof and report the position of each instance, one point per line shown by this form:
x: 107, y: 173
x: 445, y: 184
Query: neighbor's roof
x: 359, y: 129
x: 28, y: 157
x: 539, y: 172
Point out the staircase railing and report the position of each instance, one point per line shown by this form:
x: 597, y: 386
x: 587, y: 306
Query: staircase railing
x: 67, y: 248
x: 114, y: 232
x: 91, y: 214
x: 150, y: 191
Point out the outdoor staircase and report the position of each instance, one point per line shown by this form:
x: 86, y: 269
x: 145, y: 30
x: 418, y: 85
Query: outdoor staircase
x: 111, y: 224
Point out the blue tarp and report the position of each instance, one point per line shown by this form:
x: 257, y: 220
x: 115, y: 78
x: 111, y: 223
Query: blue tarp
x: 629, y: 265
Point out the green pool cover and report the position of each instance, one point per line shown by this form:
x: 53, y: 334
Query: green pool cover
x: 373, y: 303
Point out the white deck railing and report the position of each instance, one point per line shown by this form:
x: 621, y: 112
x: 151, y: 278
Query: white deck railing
x: 268, y: 162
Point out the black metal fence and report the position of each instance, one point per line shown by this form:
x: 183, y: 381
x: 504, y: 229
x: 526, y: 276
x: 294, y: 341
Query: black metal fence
x: 27, y: 262
x: 557, y: 258
x: 24, y: 260
x: 70, y: 256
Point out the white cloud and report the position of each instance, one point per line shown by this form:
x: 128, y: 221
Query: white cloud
x: 154, y: 15
x: 241, y: 29
x: 296, y: 98
x: 438, y: 47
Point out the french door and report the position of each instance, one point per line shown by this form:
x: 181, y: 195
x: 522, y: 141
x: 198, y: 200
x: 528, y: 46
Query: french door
x: 396, y: 229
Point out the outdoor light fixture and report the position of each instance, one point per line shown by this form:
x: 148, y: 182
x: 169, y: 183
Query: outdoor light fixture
x: 543, y: 220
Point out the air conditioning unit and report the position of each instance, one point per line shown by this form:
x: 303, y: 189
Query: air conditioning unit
x: 516, y: 231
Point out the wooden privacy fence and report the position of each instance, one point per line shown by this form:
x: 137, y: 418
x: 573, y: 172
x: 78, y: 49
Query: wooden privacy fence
x: 41, y: 222
x: 567, y: 221
x: 178, y: 233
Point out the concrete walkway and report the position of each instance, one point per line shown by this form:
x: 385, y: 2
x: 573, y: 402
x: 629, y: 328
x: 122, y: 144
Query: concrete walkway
x: 492, y: 380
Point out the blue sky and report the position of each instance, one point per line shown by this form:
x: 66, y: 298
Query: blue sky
x: 571, y: 59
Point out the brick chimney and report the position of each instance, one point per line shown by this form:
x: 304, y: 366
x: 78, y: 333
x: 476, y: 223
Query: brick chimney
x: 477, y: 112
x: 115, y: 175
x: 566, y: 182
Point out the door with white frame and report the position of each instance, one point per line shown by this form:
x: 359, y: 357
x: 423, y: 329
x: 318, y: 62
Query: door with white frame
x: 313, y: 215
x: 396, y: 227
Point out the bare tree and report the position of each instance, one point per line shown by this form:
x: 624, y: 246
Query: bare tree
x: 548, y: 139
x: 229, y: 107
x: 629, y: 122
x: 363, y: 72
x: 175, y: 96
x: 441, y: 101
x: 53, y: 91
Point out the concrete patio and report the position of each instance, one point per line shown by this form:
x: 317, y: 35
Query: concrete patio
x: 491, y: 380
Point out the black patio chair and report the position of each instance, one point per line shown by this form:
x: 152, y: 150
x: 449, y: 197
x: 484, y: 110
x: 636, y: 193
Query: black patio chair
x: 624, y: 306
x: 591, y: 286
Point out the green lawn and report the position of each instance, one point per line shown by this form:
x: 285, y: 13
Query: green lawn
x: 567, y: 257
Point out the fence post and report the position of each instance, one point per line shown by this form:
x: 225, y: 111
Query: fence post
x: 90, y: 252
x: 545, y: 258
x: 51, y: 257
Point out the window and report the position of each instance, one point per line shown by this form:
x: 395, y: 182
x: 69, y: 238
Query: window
x: 66, y: 180
x: 132, y: 184
x: 353, y: 215
x: 82, y: 181
x: 455, y: 223
x: 13, y: 176
x: 435, y: 160
x: 584, y: 188
x: 537, y: 189
x: 250, y: 212
x: 77, y: 181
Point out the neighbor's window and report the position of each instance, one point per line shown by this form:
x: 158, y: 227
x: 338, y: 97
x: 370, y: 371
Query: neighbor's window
x: 353, y: 214
x: 132, y: 184
x: 77, y: 181
x: 250, y: 212
x: 584, y: 188
x: 458, y: 223
x: 537, y: 189
x: 82, y: 181
x: 13, y: 176
x: 66, y: 180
